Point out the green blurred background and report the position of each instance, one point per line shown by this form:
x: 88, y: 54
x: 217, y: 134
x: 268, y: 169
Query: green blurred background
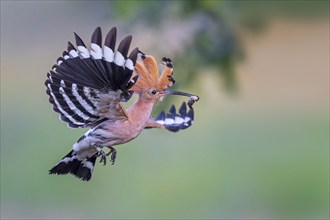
x: 259, y: 147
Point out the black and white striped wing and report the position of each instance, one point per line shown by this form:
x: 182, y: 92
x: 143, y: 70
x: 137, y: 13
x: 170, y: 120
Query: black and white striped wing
x: 174, y: 121
x: 87, y: 86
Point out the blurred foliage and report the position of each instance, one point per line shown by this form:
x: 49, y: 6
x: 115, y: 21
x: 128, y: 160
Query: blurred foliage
x: 215, y: 42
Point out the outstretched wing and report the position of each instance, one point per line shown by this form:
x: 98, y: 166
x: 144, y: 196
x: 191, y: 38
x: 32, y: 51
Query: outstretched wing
x: 174, y: 121
x: 87, y: 86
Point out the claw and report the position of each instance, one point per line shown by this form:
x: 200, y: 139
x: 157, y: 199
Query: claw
x: 113, y: 154
x: 103, y: 156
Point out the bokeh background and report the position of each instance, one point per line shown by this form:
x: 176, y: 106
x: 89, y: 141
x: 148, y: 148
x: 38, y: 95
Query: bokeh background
x: 259, y: 147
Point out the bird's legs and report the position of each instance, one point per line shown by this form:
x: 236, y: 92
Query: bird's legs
x: 113, y: 153
x: 104, y: 155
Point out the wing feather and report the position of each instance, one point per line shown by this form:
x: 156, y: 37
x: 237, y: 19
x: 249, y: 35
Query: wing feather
x: 86, y: 86
x: 175, y: 122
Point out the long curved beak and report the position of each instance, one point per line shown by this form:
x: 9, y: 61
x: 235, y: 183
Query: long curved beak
x: 172, y: 92
x: 192, y: 98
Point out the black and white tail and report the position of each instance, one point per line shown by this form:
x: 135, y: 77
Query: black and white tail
x: 70, y: 164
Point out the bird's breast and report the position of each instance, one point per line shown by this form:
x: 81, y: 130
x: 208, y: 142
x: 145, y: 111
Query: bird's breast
x: 119, y: 132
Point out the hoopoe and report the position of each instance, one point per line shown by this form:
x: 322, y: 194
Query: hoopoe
x: 87, y: 88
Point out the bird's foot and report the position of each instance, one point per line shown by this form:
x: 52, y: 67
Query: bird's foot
x: 113, y: 154
x: 103, y: 156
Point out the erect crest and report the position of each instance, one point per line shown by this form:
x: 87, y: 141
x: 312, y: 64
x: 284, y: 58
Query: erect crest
x: 147, y: 70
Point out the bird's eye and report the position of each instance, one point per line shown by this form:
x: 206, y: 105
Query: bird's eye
x: 153, y: 92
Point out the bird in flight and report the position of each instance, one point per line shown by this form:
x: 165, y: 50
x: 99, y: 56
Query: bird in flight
x: 87, y: 88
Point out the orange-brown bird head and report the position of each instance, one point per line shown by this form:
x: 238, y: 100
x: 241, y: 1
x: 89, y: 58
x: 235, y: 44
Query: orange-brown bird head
x: 152, y: 83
